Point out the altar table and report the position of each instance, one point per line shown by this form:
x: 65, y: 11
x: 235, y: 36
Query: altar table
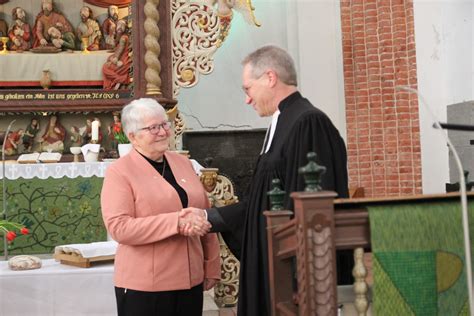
x: 57, y: 289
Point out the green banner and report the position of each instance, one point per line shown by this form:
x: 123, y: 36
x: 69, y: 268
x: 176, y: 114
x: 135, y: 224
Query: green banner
x: 418, y: 259
x: 56, y: 211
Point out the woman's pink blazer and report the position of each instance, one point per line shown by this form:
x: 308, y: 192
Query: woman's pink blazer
x: 140, y: 211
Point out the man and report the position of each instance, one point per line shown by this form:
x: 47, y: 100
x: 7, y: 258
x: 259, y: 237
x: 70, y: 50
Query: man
x: 47, y: 18
x: 3, y: 31
x: 116, y: 70
x: 30, y: 133
x: 19, y: 31
x: 13, y: 142
x: 109, y: 27
x: 270, y: 84
x: 89, y: 28
x: 62, y: 40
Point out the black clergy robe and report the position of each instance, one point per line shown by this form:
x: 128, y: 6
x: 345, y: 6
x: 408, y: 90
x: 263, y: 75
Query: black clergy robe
x: 301, y: 128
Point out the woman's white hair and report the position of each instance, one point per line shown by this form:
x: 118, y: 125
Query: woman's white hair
x: 134, y: 114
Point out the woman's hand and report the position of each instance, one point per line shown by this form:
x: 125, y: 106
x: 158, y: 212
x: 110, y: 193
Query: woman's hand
x: 192, y: 222
x: 209, y: 284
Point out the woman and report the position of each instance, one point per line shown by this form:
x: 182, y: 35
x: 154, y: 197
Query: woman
x: 53, y: 137
x: 157, y: 271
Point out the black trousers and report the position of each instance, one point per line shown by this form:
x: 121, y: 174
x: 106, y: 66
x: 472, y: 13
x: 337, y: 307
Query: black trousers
x: 163, y: 303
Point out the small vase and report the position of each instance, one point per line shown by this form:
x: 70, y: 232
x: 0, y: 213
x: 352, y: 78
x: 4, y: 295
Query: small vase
x: 45, y: 80
x: 124, y: 149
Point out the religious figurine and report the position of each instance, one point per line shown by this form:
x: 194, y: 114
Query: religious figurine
x: 30, y: 133
x: 3, y: 28
x: 53, y: 137
x: 225, y: 7
x: 116, y: 71
x: 62, y: 40
x: 89, y: 28
x: 19, y: 31
x: 76, y: 137
x: 86, y: 131
x: 46, y: 19
x: 12, y: 142
x: 3, y: 31
x: 109, y: 27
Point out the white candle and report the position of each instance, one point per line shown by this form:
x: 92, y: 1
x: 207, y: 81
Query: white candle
x: 95, y: 131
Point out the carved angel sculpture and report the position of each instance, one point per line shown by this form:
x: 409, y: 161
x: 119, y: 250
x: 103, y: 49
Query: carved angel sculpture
x: 225, y: 7
x: 224, y: 11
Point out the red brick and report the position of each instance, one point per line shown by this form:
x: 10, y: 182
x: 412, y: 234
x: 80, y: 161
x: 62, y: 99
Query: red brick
x: 398, y: 15
x: 400, y: 21
x: 384, y: 6
x: 382, y: 60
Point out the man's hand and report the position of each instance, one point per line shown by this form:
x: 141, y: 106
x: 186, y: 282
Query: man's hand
x: 43, y: 42
x: 192, y: 222
x: 56, y: 43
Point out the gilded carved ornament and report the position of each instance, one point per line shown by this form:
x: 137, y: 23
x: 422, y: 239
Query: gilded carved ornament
x: 199, y: 29
x: 220, y: 192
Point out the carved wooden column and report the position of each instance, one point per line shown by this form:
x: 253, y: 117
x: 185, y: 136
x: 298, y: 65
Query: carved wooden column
x: 153, y: 49
x: 316, y: 253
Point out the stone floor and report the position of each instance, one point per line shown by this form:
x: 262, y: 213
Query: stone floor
x: 211, y: 309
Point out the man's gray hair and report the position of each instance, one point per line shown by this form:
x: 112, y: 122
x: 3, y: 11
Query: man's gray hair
x: 274, y: 58
x: 134, y: 114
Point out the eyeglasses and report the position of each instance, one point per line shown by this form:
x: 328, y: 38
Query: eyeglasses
x: 155, y: 128
x: 248, y: 87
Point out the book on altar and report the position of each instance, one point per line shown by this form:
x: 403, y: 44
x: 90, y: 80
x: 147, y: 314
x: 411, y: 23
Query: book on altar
x: 39, y: 157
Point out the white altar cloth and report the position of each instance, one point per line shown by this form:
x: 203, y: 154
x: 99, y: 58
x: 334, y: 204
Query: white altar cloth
x: 62, y: 169
x: 64, y: 66
x: 57, y: 289
x: 54, y: 170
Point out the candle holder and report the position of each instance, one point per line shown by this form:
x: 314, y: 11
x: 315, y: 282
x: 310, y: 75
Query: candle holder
x: 4, y: 42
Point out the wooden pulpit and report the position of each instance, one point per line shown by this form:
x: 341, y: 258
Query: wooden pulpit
x: 322, y: 224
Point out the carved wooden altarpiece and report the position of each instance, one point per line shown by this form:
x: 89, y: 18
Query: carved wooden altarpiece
x: 149, y: 22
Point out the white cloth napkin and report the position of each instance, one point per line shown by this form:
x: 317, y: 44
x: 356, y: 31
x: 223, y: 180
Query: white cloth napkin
x: 197, y: 167
x: 90, y: 147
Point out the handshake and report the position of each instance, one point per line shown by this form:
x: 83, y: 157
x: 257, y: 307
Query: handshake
x: 192, y: 222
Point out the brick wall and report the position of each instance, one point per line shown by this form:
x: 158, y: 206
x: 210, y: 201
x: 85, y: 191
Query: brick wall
x: 383, y: 134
